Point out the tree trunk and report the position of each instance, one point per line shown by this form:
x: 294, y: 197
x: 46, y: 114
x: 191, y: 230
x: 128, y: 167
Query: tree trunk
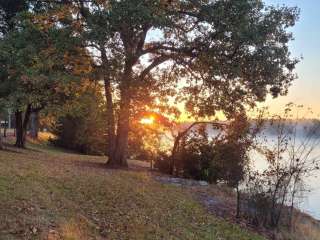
x: 110, y: 120
x: 174, y: 154
x: 1, y: 145
x: 5, y: 129
x: 238, y: 202
x: 21, y: 127
x: 34, y: 124
x: 119, y: 156
x: 19, y: 130
x: 26, y: 121
x: 109, y: 104
x: 9, y: 120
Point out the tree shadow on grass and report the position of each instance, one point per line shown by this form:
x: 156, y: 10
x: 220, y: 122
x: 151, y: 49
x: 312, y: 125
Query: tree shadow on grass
x: 133, y: 166
x: 90, y: 164
x: 10, y: 148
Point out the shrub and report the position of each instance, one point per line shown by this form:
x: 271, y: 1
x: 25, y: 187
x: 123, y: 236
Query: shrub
x: 212, y: 160
x: 162, y: 163
x: 220, y: 158
x: 271, y: 195
x: 82, y: 127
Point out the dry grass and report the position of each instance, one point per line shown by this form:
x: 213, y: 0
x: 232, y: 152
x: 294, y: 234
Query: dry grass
x: 304, y: 228
x: 75, y: 229
x: 49, y: 194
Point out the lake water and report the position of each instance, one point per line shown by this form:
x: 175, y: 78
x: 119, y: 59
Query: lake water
x: 310, y: 202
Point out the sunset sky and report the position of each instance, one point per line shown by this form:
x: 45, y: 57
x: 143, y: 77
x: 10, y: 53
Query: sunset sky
x: 306, y: 89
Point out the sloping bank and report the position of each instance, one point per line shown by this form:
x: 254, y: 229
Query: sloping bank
x: 48, y: 194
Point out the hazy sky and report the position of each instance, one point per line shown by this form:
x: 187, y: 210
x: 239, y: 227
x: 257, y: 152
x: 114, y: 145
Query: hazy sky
x: 306, y: 89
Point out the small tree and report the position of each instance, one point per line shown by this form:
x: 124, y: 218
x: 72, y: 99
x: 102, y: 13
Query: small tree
x: 274, y: 191
x: 86, y: 109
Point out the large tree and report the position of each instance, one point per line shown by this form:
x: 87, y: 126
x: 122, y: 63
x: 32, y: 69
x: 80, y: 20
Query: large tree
x: 224, y: 55
x: 39, y: 60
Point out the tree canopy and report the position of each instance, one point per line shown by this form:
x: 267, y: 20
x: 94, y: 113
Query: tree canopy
x: 209, y: 55
x: 39, y: 63
x: 213, y: 55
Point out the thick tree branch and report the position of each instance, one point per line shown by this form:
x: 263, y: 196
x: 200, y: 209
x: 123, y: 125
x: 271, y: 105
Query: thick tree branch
x: 142, y: 39
x: 214, y: 124
x: 156, y: 62
x: 161, y: 47
x: 183, y: 133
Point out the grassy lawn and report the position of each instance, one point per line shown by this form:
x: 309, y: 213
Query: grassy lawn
x: 49, y: 194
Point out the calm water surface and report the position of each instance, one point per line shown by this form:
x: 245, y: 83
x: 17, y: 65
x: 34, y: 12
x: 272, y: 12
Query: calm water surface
x: 310, y: 202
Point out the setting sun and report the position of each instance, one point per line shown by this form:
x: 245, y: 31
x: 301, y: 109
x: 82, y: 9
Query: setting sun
x: 147, y: 120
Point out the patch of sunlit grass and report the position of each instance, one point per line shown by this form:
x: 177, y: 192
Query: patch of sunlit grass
x: 75, y: 230
x: 46, y: 136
